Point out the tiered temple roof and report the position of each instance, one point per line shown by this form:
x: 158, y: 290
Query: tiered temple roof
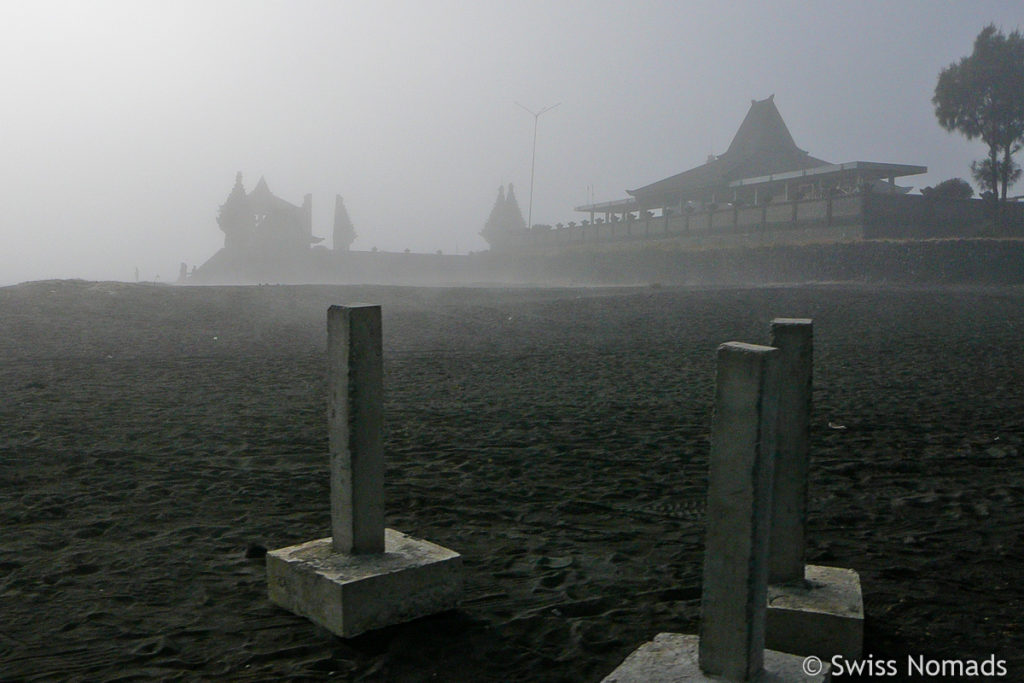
x: 762, y: 156
x: 506, y: 219
x: 261, y: 221
x: 761, y: 146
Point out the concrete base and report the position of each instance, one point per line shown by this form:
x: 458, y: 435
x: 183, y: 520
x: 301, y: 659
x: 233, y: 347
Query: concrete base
x: 351, y: 594
x: 672, y: 657
x: 823, y: 615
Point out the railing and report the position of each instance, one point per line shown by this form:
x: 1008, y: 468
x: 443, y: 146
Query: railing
x: 760, y: 222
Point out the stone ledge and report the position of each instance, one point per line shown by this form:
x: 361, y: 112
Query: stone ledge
x: 672, y: 658
x: 352, y: 594
x: 823, y: 615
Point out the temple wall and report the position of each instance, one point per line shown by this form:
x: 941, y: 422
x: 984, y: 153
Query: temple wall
x: 780, y: 213
x: 846, y: 206
x: 991, y: 261
x: 897, y: 229
x: 749, y: 216
x: 816, y: 210
x: 918, y: 217
x: 666, y: 261
x: 721, y: 218
x: 872, y: 216
x: 786, y: 222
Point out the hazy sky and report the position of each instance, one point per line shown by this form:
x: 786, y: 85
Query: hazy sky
x: 123, y: 123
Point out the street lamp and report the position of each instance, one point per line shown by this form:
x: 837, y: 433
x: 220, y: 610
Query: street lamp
x: 533, y: 161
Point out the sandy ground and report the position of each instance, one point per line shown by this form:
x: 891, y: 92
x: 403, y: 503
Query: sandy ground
x: 151, y: 436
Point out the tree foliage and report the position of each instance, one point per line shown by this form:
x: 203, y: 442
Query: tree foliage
x: 954, y: 188
x: 993, y: 173
x: 982, y: 96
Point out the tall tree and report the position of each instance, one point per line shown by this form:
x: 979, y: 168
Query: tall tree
x: 1004, y: 172
x: 982, y: 96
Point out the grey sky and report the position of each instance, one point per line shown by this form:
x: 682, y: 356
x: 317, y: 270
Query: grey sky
x: 123, y: 123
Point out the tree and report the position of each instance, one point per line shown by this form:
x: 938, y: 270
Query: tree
x: 954, y: 188
x: 982, y: 96
x: 1002, y: 171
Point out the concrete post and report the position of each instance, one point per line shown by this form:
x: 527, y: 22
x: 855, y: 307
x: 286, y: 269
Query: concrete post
x: 355, y: 424
x: 812, y: 610
x: 364, y: 576
x: 733, y: 605
x: 738, y: 512
x: 794, y: 339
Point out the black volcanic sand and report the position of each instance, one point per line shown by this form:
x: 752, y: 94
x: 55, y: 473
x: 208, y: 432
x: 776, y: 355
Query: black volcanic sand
x: 153, y: 437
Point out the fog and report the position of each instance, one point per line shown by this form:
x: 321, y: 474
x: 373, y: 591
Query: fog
x: 124, y: 123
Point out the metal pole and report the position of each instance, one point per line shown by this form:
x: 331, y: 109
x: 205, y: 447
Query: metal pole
x: 533, y: 159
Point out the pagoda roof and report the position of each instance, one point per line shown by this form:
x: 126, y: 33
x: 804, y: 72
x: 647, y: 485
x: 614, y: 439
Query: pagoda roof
x: 261, y: 199
x: 761, y: 153
x: 762, y: 146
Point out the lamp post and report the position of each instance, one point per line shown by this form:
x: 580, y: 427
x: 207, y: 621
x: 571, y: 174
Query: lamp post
x: 533, y: 161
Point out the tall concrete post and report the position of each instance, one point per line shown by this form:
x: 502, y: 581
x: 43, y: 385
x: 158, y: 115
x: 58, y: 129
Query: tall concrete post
x: 738, y: 512
x: 733, y: 604
x: 355, y: 385
x: 363, y: 576
x: 794, y: 339
x: 812, y: 610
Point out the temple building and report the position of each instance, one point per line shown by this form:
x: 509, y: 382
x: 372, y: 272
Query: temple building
x: 260, y: 222
x: 761, y: 164
x: 762, y: 190
x: 268, y: 239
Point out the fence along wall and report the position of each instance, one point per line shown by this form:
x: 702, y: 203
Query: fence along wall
x: 844, y: 218
x: 829, y: 219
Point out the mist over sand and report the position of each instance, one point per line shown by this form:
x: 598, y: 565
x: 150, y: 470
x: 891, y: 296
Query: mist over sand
x: 127, y: 121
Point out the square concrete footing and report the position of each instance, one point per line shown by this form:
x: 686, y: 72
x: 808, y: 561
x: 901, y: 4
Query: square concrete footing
x: 823, y: 615
x: 351, y: 594
x: 672, y: 657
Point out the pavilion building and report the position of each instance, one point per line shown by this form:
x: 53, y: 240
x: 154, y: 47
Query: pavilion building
x: 763, y: 189
x: 762, y: 164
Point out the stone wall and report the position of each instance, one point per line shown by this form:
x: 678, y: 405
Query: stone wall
x: 915, y: 216
x: 953, y: 261
x: 865, y: 216
x: 826, y: 239
x: 786, y: 222
x: 712, y: 261
x: 801, y: 221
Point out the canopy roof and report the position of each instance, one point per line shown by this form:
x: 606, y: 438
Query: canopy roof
x: 868, y: 170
